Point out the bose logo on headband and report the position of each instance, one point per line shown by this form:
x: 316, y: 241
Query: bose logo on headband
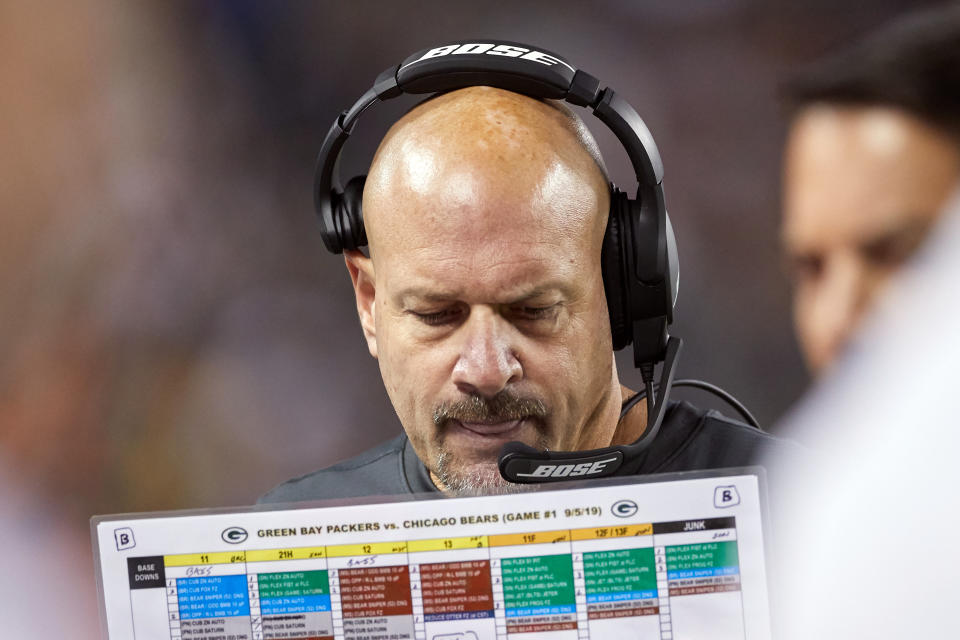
x: 505, y: 50
x: 569, y: 470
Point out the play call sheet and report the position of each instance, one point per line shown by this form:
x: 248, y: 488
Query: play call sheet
x: 666, y: 560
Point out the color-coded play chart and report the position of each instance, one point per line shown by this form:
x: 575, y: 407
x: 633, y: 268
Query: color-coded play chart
x: 671, y: 557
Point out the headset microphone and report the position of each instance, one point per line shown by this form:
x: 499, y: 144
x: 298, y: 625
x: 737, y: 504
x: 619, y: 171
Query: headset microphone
x: 523, y: 464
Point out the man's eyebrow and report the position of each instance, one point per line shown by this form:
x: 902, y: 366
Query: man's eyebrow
x: 913, y: 226
x: 540, y: 291
x: 430, y: 295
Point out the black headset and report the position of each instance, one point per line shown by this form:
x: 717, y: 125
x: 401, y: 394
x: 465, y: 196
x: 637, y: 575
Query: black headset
x: 639, y: 255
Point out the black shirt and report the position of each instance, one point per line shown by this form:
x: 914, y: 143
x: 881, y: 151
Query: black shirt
x: 689, y: 439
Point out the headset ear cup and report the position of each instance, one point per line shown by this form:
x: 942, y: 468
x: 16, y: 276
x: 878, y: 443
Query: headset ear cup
x: 612, y: 266
x: 348, y: 214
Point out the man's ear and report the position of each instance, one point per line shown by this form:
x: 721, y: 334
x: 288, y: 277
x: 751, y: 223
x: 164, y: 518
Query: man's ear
x: 365, y: 289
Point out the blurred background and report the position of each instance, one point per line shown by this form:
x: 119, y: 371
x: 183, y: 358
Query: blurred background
x: 174, y: 334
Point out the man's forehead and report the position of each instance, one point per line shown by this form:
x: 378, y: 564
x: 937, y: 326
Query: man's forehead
x: 467, y: 213
x: 510, y: 260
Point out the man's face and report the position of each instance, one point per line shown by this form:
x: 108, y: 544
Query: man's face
x: 863, y: 185
x: 487, y: 311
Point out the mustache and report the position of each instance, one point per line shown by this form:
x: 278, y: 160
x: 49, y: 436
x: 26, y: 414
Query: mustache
x: 502, y: 407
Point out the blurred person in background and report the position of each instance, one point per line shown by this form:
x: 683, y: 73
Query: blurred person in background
x: 52, y: 453
x: 113, y: 281
x: 873, y: 230
x: 872, y: 156
x: 869, y: 550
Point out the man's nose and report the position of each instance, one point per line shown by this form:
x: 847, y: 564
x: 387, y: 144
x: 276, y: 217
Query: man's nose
x: 487, y: 362
x: 846, y: 297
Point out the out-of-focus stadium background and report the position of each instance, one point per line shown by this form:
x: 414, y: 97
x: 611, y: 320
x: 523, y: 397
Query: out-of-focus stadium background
x: 173, y: 333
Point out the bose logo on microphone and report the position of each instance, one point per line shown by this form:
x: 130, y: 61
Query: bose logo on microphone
x: 506, y: 50
x: 568, y: 470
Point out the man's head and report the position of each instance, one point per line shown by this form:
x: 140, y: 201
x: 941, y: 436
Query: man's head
x: 482, y: 297
x: 872, y: 156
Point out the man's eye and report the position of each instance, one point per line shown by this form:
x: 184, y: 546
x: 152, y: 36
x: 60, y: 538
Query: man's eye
x: 536, y: 313
x: 805, y: 267
x: 894, y: 250
x: 437, y: 318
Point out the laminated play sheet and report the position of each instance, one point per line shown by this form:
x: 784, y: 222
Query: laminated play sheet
x: 661, y: 557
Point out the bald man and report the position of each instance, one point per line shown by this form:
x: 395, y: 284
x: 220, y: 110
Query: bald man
x: 483, y: 302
